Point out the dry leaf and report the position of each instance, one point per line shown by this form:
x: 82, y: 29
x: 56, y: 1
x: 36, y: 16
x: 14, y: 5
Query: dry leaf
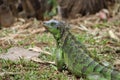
x: 117, y: 64
x: 113, y: 36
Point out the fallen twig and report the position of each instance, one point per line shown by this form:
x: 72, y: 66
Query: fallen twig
x: 37, y: 49
x: 42, y: 62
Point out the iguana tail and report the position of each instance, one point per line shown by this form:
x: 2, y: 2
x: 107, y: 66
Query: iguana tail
x: 108, y: 73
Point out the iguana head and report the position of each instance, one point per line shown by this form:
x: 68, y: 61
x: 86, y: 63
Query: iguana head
x: 55, y: 27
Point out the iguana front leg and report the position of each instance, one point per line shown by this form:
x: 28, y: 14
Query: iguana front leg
x: 59, y: 59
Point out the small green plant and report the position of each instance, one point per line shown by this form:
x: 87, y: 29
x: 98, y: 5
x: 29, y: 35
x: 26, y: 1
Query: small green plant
x: 53, y: 12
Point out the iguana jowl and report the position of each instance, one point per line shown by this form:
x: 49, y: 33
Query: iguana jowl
x: 74, y: 55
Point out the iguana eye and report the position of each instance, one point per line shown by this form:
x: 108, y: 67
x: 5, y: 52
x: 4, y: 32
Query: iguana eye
x: 53, y: 24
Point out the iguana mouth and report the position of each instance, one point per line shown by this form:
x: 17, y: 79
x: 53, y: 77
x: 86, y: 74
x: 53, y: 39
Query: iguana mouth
x: 45, y: 25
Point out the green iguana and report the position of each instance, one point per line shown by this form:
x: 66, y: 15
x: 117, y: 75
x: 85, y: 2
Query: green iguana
x: 74, y: 55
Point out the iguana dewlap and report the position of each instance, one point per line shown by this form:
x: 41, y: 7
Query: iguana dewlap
x: 74, y: 55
